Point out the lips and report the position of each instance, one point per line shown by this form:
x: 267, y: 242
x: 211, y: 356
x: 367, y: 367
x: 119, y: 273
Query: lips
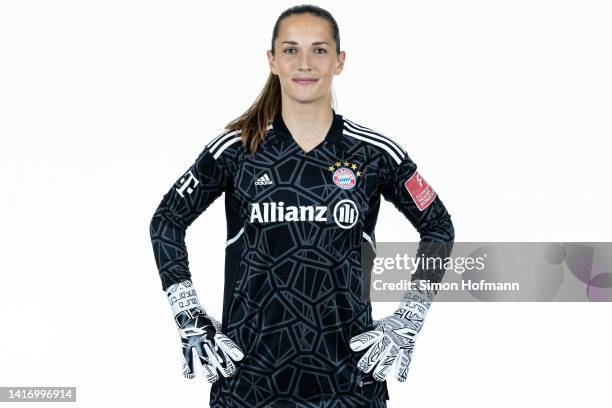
x: 305, y: 81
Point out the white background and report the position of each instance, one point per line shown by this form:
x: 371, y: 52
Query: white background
x: 504, y: 105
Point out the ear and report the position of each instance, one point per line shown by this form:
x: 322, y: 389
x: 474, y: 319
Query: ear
x: 272, y: 62
x: 340, y: 63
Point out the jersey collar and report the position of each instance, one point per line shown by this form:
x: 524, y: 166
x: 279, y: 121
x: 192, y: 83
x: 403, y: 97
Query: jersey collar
x: 278, y: 130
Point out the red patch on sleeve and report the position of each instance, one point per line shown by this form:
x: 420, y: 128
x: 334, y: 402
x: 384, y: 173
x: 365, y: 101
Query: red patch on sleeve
x: 421, y: 192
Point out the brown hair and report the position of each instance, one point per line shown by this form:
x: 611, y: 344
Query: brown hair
x: 254, y: 122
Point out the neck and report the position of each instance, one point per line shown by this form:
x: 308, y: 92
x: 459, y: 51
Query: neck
x: 308, y: 123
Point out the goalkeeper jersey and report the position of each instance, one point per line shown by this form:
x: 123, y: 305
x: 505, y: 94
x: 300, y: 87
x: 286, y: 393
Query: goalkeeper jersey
x: 295, y: 291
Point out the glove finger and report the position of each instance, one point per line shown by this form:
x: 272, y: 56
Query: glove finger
x: 385, y: 362
x: 201, y: 353
x: 229, y: 347
x: 229, y: 368
x: 411, y: 329
x: 218, y: 362
x: 371, y: 357
x: 209, y: 363
x: 210, y: 373
x: 409, y: 344
x: 403, y: 362
x: 188, y: 371
x: 364, y: 340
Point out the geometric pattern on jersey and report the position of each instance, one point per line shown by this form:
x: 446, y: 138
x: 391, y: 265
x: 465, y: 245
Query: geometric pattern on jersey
x: 294, y: 287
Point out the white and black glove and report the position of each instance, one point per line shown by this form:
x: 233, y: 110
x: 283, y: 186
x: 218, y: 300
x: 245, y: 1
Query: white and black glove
x: 392, y: 339
x: 201, y: 335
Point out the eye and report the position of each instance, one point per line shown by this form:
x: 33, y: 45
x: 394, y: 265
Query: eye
x: 324, y: 51
x: 288, y: 49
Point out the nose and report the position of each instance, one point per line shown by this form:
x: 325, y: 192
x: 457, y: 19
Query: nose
x: 304, y: 61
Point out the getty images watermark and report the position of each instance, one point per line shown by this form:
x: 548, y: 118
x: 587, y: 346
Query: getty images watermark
x: 411, y: 264
x: 486, y: 271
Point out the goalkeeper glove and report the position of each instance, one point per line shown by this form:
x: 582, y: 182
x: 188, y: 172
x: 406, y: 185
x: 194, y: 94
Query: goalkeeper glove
x: 392, y: 339
x: 201, y: 335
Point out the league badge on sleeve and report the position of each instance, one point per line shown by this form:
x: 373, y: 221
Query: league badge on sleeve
x: 421, y: 192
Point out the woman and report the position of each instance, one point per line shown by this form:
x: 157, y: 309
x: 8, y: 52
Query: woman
x: 302, y: 190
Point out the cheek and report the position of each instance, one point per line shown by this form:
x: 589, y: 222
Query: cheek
x: 326, y: 70
x: 285, y: 68
x: 326, y: 77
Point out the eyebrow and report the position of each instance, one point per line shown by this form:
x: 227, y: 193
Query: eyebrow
x: 296, y: 43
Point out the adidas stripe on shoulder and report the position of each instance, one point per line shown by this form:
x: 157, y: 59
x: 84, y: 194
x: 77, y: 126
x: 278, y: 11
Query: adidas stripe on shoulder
x: 394, y: 149
x: 221, y: 142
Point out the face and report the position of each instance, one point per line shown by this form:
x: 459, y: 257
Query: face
x: 306, y: 59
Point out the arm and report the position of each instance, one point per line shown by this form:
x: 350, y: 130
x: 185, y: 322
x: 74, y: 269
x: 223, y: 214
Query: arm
x: 204, y: 181
x: 403, y: 186
x: 392, y: 340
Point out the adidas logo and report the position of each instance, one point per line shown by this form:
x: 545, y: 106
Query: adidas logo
x: 263, y: 180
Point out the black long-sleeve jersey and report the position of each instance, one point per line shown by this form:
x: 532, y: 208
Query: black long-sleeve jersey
x: 293, y: 294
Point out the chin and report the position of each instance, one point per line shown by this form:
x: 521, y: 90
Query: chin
x: 306, y: 98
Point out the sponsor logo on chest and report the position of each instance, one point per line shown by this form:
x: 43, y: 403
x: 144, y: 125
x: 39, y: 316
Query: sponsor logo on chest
x: 344, y: 213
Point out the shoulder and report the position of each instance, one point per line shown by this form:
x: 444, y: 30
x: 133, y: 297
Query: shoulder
x: 388, y: 147
x: 224, y: 144
x: 220, y: 152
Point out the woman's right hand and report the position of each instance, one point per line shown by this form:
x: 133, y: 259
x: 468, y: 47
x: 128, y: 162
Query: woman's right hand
x: 203, y: 341
x: 201, y: 335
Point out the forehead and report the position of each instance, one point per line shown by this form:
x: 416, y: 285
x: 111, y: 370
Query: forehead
x: 305, y: 27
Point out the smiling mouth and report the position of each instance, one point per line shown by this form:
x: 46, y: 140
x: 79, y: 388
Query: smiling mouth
x: 305, y: 81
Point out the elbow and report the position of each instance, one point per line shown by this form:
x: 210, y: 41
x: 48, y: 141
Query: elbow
x: 450, y: 229
x: 440, y: 229
x: 165, y: 222
x: 156, y: 221
x: 153, y: 224
x: 161, y: 220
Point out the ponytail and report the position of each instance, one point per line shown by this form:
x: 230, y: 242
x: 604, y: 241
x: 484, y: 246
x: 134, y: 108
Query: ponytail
x: 253, y: 123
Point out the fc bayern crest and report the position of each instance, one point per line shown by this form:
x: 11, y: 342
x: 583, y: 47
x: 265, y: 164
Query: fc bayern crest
x: 344, y: 178
x: 344, y: 174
